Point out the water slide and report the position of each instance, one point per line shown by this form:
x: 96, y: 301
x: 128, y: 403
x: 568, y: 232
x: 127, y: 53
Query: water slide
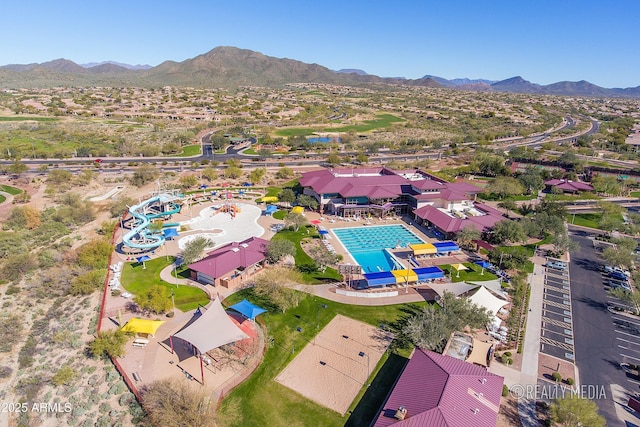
x: 143, y: 238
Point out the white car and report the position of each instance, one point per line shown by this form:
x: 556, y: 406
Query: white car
x: 558, y: 265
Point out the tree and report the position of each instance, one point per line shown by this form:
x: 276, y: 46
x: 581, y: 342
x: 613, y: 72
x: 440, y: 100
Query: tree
x: 307, y: 201
x: 611, y: 218
x: 552, y: 208
x: 172, y: 403
x: 295, y: 220
x: 531, y: 180
x: 322, y: 257
x: 120, y: 206
x: 574, y: 411
x: 562, y: 243
x: 433, y: 326
x: 489, y: 164
x: 287, y: 196
x: 188, y: 181
x: 155, y: 298
x: 618, y: 257
x: 232, y: 172
x: 629, y: 297
x: 17, y: 168
x: 88, y: 282
x: 256, y: 175
x: 279, y: 248
x: 284, y: 173
x: 193, y: 249
x: 59, y: 177
x: 509, y: 205
x: 334, y: 159
x: 109, y: 343
x: 508, y: 231
x: 467, y: 235
x: 274, y: 285
x: 210, y: 174
x: 95, y: 253
x: 504, y: 186
x: 24, y: 217
x: 144, y: 174
x: 606, y: 184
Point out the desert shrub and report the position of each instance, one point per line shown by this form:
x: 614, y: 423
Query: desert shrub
x: 556, y: 377
x: 570, y: 381
x: 505, y: 390
x: 64, y: 376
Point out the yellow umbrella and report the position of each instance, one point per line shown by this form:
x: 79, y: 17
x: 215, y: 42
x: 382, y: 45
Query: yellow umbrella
x: 459, y: 267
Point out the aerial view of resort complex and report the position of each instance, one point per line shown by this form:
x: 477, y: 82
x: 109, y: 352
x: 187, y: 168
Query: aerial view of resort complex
x: 236, y: 239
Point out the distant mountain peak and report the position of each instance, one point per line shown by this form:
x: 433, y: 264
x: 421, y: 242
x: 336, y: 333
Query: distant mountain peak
x: 120, y: 64
x: 353, y: 71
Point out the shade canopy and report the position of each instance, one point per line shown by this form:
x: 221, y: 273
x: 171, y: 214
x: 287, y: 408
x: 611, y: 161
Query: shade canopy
x: 248, y: 309
x: 271, y: 209
x: 316, y: 222
x: 403, y: 276
x: 143, y: 258
x: 426, y: 273
x: 297, y: 210
x: 214, y: 328
x: 459, y: 267
x: 484, y: 264
x: 142, y: 326
x: 380, y: 278
x: 484, y: 298
x: 446, y: 247
x: 423, y: 248
x: 269, y: 199
x: 170, y: 232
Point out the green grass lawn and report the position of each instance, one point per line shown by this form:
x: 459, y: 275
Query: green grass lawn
x: 32, y: 119
x: 380, y: 122
x: 135, y: 279
x: 280, y: 214
x: 585, y: 219
x: 2, y: 198
x: 9, y: 189
x: 572, y: 197
x: 635, y: 194
x: 295, y: 132
x: 301, y: 257
x: 495, y: 197
x: 473, y: 274
x: 261, y: 401
x: 189, y: 151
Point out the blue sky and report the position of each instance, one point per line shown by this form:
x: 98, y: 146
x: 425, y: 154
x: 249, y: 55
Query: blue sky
x: 543, y: 41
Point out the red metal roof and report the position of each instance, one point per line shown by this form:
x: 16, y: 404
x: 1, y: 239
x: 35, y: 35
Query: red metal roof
x: 442, y: 391
x: 231, y: 257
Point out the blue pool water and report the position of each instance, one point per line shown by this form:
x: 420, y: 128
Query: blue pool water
x: 367, y: 245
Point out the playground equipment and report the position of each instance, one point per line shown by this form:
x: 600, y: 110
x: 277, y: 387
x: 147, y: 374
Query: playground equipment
x: 232, y: 209
x: 139, y: 237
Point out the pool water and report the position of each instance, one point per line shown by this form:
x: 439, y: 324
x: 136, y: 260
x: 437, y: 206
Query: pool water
x: 367, y: 245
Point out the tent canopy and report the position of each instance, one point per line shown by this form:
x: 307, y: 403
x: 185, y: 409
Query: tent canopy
x: 214, y: 328
x: 271, y: 209
x: 247, y: 309
x: 403, y: 276
x: 142, y: 326
x: 380, y: 278
x: 269, y: 199
x: 426, y: 273
x: 459, y: 267
x: 484, y: 298
x: 298, y: 210
x: 423, y: 248
x: 482, y: 263
x: 446, y: 247
x: 170, y: 232
x: 143, y: 258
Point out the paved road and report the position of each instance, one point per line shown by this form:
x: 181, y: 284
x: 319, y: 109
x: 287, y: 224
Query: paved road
x: 596, y: 346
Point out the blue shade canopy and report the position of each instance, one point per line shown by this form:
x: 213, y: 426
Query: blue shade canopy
x: 248, y: 309
x: 380, y: 278
x: 484, y: 264
x: 143, y: 258
x: 426, y: 273
x: 446, y: 247
x: 170, y: 232
x: 271, y: 209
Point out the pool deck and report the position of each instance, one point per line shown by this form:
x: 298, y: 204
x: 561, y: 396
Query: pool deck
x: 402, y: 254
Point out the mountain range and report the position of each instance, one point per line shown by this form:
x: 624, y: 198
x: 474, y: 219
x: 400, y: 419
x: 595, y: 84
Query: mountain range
x: 229, y: 67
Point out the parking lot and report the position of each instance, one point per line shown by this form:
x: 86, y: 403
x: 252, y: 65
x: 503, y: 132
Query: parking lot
x: 556, y: 336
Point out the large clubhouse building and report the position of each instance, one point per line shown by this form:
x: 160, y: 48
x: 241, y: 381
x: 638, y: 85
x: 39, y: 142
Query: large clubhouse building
x: 435, y: 203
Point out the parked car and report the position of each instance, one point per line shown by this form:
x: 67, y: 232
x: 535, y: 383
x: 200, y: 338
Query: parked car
x: 608, y: 269
x: 614, y: 284
x: 558, y: 265
x: 616, y: 275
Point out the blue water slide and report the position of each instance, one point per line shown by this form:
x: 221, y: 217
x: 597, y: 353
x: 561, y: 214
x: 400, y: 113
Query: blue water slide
x: 140, y: 224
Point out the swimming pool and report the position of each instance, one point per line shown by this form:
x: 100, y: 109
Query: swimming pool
x: 367, y: 245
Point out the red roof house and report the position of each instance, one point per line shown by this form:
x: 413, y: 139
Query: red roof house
x: 568, y: 186
x: 230, y: 263
x: 436, y: 390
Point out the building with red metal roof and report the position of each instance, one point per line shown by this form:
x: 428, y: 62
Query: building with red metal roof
x: 435, y: 390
